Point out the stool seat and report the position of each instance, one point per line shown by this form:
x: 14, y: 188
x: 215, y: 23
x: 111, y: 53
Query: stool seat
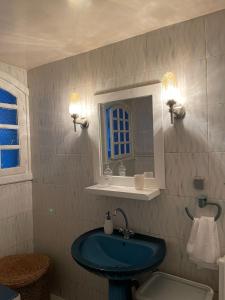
x: 18, y: 271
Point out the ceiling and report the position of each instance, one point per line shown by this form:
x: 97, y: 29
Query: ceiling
x: 36, y: 32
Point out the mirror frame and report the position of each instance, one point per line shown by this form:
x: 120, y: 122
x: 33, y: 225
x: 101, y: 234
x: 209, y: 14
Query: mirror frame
x: 153, y: 90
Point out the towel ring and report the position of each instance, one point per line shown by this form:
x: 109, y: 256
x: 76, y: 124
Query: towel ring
x: 202, y: 202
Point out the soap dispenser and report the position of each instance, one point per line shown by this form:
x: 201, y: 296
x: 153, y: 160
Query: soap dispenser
x: 108, y: 226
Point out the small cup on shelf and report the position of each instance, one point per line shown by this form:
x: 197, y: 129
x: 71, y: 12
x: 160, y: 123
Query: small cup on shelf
x: 139, y: 181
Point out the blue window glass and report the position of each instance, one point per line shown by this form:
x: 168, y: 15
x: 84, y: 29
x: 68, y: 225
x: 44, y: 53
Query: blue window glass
x: 127, y: 148
x: 10, y: 158
x: 126, y: 115
x: 122, y: 149
x: 127, y: 126
x: 127, y: 136
x: 116, y: 138
x: 115, y: 125
x: 121, y: 125
x: 8, y: 136
x: 108, y: 133
x: 121, y: 137
x: 8, y: 116
x: 116, y: 149
x: 121, y: 113
x: 6, y: 97
x: 115, y: 113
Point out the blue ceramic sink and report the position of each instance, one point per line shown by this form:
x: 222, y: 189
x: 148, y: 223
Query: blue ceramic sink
x: 118, y: 259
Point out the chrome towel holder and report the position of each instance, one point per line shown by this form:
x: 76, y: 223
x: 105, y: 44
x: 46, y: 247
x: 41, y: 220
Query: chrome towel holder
x: 203, y: 202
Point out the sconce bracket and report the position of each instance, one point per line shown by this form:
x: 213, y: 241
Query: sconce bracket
x: 177, y: 111
x: 83, y: 122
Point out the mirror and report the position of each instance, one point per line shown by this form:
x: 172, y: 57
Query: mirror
x: 127, y: 136
x: 130, y: 135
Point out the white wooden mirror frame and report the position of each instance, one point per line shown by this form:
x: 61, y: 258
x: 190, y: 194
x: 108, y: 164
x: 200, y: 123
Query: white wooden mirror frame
x: 153, y: 90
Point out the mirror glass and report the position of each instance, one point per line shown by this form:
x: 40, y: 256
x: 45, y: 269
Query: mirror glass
x: 127, y: 136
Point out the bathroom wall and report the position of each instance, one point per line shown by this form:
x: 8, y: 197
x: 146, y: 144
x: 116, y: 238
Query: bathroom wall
x: 62, y: 159
x: 16, y: 220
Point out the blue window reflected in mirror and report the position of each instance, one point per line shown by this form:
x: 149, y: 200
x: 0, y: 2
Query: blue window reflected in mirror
x: 117, y: 132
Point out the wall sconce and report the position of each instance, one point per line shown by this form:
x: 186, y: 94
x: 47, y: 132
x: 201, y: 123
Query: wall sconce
x: 170, y: 95
x: 75, y: 111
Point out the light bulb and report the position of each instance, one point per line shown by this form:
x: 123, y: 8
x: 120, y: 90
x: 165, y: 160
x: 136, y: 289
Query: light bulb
x: 74, y: 106
x: 169, y: 84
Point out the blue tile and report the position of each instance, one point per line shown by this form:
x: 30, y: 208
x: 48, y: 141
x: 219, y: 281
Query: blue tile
x: 6, y: 97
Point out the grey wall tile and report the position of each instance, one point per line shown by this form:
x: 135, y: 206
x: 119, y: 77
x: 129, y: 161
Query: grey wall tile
x: 215, y: 35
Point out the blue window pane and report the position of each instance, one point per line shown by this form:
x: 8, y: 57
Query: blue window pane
x: 8, y: 116
x: 116, y: 149
x: 127, y: 148
x: 115, y: 126
x: 127, y: 126
x: 126, y: 115
x: 108, y: 133
x: 6, y: 97
x: 115, y: 136
x: 121, y: 137
x: 121, y: 113
x: 121, y: 125
x: 10, y: 158
x: 122, y: 149
x: 127, y: 137
x: 8, y: 137
x: 115, y: 113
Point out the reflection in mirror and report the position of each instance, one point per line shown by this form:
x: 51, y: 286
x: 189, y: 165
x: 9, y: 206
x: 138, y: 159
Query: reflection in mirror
x: 127, y: 136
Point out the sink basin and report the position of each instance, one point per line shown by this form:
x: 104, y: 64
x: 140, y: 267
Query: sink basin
x: 118, y: 259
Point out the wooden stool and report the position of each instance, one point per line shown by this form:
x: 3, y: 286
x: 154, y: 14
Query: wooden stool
x: 26, y: 274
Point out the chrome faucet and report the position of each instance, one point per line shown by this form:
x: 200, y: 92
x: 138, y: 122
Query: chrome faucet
x: 127, y: 233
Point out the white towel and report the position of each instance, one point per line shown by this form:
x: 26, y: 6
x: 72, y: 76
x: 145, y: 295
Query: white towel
x: 203, y: 246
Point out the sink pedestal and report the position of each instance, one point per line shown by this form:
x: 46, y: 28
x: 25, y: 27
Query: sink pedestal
x: 120, y: 290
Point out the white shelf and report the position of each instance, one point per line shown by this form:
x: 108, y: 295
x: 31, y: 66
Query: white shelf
x: 146, y: 194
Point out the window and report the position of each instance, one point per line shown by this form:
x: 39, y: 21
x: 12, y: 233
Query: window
x: 14, y: 137
x: 118, y: 132
x: 9, y: 131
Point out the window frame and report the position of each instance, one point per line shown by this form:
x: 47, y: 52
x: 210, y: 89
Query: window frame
x: 17, y: 89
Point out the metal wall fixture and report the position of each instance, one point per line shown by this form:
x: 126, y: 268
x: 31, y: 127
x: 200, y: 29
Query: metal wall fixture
x: 75, y: 111
x: 203, y: 202
x: 170, y: 95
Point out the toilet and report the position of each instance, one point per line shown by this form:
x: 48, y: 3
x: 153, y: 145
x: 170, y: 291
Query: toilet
x: 8, y: 294
x: 163, y: 286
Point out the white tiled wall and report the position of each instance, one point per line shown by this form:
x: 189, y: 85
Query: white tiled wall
x: 62, y: 159
x: 16, y: 219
